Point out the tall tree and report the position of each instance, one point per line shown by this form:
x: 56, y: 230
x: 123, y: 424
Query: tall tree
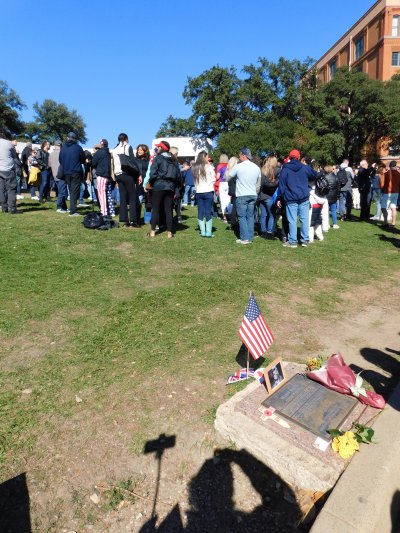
x: 10, y: 106
x: 216, y: 106
x: 177, y: 127
x: 347, y: 114
x: 55, y: 121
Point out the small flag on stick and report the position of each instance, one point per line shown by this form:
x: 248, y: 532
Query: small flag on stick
x: 254, y: 331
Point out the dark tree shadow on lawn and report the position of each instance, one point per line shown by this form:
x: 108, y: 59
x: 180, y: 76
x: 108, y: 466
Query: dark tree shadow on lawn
x: 15, y: 506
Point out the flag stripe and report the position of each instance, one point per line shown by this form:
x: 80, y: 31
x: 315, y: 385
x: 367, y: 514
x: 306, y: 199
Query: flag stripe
x: 254, y: 330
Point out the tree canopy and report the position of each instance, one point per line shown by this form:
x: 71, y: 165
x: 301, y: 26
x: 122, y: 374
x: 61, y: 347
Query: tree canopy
x: 10, y: 106
x: 54, y: 121
x: 272, y: 107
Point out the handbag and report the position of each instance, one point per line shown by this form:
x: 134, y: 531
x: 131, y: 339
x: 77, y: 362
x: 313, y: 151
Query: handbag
x: 128, y: 166
x: 34, y: 177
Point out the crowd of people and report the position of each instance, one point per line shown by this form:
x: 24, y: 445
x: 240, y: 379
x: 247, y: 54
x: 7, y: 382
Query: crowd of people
x: 256, y: 198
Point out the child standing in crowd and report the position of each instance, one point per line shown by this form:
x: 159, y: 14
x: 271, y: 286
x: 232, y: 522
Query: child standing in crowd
x: 221, y: 185
x: 316, y: 206
x: 204, y: 179
x: 33, y: 169
x: 189, y: 193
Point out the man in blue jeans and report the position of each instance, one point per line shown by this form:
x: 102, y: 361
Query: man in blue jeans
x: 247, y: 186
x: 294, y: 190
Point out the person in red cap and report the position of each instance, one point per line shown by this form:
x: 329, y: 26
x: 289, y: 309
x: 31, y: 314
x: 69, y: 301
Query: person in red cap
x: 294, y: 190
x: 164, y: 176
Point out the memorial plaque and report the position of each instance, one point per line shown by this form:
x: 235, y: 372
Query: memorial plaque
x: 311, y: 405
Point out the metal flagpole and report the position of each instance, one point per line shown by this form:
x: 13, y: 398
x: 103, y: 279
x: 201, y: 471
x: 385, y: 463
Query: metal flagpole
x: 248, y: 354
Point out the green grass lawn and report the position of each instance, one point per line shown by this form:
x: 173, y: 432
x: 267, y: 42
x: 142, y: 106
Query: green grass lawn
x: 91, y: 311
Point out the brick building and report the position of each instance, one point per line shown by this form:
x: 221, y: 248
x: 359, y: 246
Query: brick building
x: 371, y: 45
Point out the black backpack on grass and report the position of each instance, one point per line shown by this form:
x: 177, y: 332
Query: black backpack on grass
x: 93, y: 220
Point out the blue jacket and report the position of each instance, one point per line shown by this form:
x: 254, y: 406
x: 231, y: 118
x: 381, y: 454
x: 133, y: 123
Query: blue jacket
x: 71, y: 158
x: 293, y: 181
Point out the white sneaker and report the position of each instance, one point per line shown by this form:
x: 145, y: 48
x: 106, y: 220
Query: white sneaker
x: 335, y: 226
x: 81, y: 205
x: 20, y: 197
x: 34, y: 198
x: 61, y: 211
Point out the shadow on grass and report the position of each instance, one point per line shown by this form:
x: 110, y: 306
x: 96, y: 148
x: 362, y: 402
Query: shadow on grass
x: 213, y: 506
x: 382, y: 382
x: 14, y: 506
x: 395, y: 241
x: 241, y: 359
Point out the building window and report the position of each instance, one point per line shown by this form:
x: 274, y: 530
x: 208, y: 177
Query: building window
x: 395, y: 59
x: 395, y: 26
x: 359, y: 46
x: 332, y: 68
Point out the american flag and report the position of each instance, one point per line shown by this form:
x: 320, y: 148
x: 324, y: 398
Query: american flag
x: 254, y: 331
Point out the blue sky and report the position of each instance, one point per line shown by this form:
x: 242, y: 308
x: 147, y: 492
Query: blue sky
x: 123, y: 65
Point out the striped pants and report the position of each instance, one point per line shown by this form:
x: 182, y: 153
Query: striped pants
x: 104, y: 193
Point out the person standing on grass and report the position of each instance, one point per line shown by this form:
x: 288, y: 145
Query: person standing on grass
x: 101, y: 161
x: 221, y: 185
x: 294, y: 190
x: 61, y: 186
x: 8, y: 180
x: 26, y: 152
x: 345, y: 195
x: 204, y: 179
x: 142, y: 160
x: 189, y: 185
x: 164, y: 176
x: 247, y: 186
x: 269, y: 184
x: 42, y: 158
x: 364, y: 187
x: 71, y: 159
x: 333, y: 193
x: 390, y: 185
x: 126, y: 183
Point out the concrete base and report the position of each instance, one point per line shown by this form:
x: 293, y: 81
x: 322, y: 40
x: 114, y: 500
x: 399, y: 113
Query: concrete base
x: 366, y: 499
x: 290, y: 453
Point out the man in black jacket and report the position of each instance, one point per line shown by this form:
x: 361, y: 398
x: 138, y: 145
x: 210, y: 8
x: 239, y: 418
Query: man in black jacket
x: 71, y: 159
x: 364, y: 186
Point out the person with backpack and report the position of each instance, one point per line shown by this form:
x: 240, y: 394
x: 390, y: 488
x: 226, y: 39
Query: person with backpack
x: 126, y: 173
x: 345, y: 180
x: 164, y: 176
